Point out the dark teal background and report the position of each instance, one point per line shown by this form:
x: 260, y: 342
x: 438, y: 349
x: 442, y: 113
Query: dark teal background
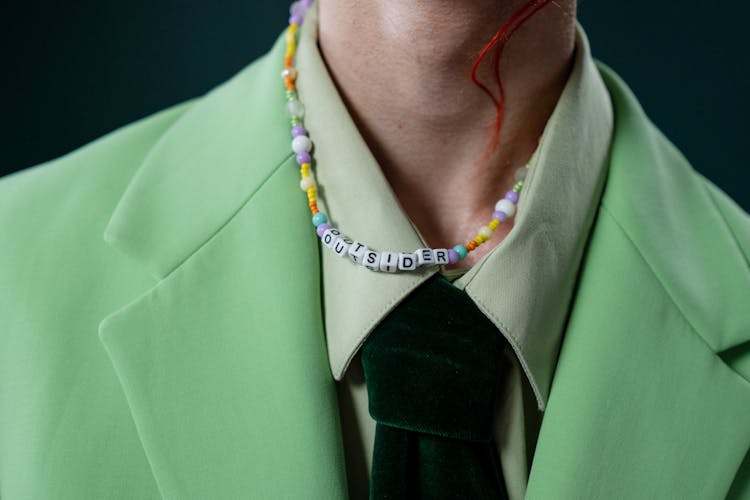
x: 74, y: 71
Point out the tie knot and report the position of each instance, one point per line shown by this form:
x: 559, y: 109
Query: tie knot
x: 434, y: 364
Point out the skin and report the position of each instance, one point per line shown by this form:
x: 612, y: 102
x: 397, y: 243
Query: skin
x: 403, y: 70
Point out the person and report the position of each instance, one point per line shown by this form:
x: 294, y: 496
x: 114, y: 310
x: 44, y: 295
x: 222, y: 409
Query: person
x: 173, y: 325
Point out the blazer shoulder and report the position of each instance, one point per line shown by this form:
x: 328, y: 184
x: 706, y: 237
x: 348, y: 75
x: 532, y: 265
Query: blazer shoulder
x: 115, y: 150
x: 735, y: 219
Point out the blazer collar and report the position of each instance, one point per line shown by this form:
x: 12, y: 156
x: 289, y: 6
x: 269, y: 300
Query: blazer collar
x: 204, y: 168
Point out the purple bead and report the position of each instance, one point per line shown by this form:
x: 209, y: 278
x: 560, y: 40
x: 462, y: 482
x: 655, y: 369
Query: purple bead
x: 452, y: 256
x: 322, y: 228
x: 307, y: 3
x: 298, y: 130
x: 511, y: 196
x: 499, y: 215
x: 303, y: 157
x: 297, y: 8
x: 296, y: 19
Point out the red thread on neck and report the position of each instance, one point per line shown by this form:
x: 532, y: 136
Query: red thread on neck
x: 501, y: 38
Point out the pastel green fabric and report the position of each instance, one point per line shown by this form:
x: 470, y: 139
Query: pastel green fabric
x: 161, y: 328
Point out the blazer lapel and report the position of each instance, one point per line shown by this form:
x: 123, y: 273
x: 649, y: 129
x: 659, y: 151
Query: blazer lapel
x: 641, y: 404
x: 223, y: 361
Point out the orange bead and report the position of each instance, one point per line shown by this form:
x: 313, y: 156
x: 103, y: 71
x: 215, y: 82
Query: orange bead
x: 471, y: 245
x: 289, y: 84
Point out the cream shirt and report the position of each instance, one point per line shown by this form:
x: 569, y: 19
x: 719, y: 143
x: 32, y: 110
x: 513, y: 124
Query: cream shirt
x: 524, y: 285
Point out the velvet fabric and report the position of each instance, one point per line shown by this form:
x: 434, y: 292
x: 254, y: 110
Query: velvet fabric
x: 433, y: 368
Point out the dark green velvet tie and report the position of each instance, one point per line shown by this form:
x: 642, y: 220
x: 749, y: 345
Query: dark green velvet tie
x: 433, y: 368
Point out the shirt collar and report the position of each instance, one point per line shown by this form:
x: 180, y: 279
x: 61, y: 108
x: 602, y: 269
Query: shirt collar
x: 525, y: 284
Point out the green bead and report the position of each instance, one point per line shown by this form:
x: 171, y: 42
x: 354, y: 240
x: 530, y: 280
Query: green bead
x: 461, y: 251
x: 319, y: 218
x: 290, y: 95
x: 517, y: 187
x: 296, y: 120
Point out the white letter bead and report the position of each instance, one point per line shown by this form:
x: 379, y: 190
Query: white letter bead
x: 407, y: 261
x: 441, y: 256
x: 371, y: 260
x: 506, y: 206
x: 357, y: 251
x: 330, y: 236
x: 301, y: 143
x: 341, y: 246
x: 425, y: 257
x: 389, y: 262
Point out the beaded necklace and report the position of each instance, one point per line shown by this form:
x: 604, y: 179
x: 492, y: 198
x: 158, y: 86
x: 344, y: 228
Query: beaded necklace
x: 331, y: 237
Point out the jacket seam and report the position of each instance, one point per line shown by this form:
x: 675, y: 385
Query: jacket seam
x: 232, y: 216
x: 728, y: 226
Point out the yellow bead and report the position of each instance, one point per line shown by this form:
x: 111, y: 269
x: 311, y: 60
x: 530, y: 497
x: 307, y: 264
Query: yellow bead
x: 493, y: 224
x: 480, y: 238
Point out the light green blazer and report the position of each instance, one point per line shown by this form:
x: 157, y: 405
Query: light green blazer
x: 161, y: 332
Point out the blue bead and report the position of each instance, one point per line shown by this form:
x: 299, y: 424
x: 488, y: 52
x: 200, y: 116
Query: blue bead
x: 461, y: 251
x: 319, y: 218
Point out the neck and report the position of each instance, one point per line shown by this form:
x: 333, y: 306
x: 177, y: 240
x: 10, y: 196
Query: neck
x: 403, y: 70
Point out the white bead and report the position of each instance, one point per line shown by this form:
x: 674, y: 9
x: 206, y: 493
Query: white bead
x: 485, y: 231
x: 289, y: 73
x: 407, y: 261
x: 506, y: 206
x: 295, y: 108
x: 329, y: 236
x: 389, y: 262
x: 371, y: 260
x: 301, y: 144
x: 425, y: 257
x: 521, y: 173
x: 341, y: 246
x: 357, y: 251
x: 307, y: 183
x: 441, y: 256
